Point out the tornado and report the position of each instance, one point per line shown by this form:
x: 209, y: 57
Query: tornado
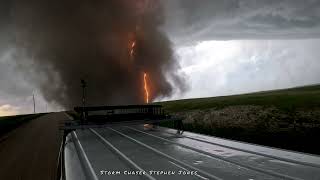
x: 111, y: 44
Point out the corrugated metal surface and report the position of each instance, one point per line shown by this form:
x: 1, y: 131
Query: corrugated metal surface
x: 124, y: 152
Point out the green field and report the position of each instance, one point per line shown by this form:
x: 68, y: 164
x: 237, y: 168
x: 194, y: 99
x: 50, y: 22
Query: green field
x: 285, y: 99
x: 8, y: 123
x: 287, y: 118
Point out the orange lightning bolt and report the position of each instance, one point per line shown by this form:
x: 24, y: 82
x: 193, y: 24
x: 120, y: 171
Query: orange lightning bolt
x: 146, y: 87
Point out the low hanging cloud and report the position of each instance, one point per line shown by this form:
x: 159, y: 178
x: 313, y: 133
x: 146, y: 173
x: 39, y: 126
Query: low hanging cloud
x: 192, y: 21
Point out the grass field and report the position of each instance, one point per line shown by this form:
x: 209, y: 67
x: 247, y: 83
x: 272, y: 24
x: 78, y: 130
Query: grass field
x: 287, y: 118
x: 285, y: 99
x: 8, y: 123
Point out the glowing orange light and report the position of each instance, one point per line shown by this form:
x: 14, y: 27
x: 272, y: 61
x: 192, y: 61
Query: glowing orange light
x: 132, y: 49
x: 146, y: 87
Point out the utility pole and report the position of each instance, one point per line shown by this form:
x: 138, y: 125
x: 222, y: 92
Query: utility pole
x: 34, y: 103
x: 83, y: 85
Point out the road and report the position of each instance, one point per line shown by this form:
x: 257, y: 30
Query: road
x: 31, y: 150
x: 125, y: 149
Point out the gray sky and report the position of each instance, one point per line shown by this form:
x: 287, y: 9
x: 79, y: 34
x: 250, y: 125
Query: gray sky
x: 216, y: 68
x: 193, y: 21
x: 224, y: 47
x: 240, y: 46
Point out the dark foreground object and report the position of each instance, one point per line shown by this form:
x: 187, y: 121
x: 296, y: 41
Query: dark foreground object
x: 106, y: 114
x: 103, y: 116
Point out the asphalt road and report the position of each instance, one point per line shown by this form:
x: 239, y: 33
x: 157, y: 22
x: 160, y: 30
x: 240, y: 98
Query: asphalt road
x: 31, y: 150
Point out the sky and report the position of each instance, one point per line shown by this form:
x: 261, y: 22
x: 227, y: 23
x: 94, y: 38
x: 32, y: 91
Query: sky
x: 218, y: 68
x: 223, y: 47
x: 241, y: 46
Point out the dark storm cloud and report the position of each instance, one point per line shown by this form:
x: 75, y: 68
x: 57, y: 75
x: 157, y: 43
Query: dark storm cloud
x: 49, y: 45
x: 60, y: 42
x: 5, y: 24
x: 12, y: 82
x: 192, y: 20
